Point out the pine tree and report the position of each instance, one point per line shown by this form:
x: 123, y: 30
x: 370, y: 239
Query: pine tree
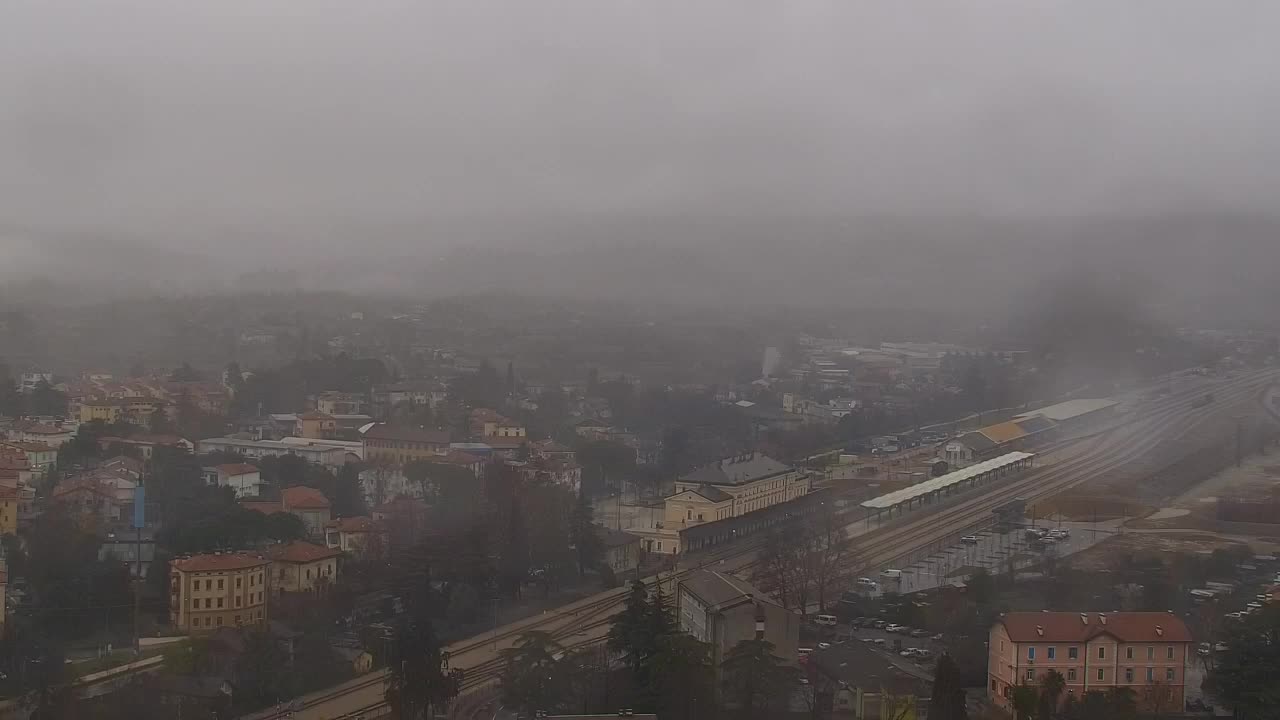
x: 627, y: 635
x: 584, y: 535
x: 948, y: 702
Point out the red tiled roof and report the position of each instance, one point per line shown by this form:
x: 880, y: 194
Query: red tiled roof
x: 300, y: 551
x: 218, y: 561
x: 266, y: 507
x: 31, y: 446
x: 357, y: 524
x: 1082, y: 627
x: 8, y: 493
x: 90, y: 484
x: 301, y: 497
x: 236, y: 468
x: 42, y: 429
x: 457, y: 457
x: 407, y: 434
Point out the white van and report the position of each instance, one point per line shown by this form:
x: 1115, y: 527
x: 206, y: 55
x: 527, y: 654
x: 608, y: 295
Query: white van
x: 891, y: 574
x: 829, y: 620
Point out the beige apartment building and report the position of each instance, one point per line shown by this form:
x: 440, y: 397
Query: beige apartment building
x: 1147, y: 652
x: 216, y: 590
x: 397, y: 445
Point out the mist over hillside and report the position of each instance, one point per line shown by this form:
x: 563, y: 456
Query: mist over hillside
x: 1213, y: 268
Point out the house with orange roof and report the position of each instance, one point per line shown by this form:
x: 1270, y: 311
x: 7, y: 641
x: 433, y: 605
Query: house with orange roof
x: 310, y: 505
x: 301, y: 566
x: 90, y: 498
x: 316, y: 425
x: 214, y: 590
x: 1146, y: 652
x: 350, y: 535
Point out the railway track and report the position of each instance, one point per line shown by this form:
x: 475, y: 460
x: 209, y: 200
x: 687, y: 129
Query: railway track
x: 1107, y: 450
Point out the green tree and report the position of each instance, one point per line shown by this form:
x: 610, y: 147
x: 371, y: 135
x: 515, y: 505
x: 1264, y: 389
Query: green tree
x: 948, y: 700
x: 185, y: 373
x: 584, y: 535
x: 1244, y: 676
x: 683, y: 677
x: 756, y: 680
x: 629, y: 634
x: 418, y: 681
x: 47, y: 400
x: 531, y: 674
x: 1025, y: 702
x: 1051, y: 688
x: 11, y: 401
x: 260, y: 672
x: 1123, y: 703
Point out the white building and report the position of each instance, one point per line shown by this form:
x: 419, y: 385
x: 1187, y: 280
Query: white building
x: 243, y: 478
x: 318, y: 452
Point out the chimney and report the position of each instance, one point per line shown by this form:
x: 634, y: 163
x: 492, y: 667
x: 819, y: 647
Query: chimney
x: 1102, y: 618
x: 1040, y: 630
x: 1084, y: 619
x: 1159, y: 631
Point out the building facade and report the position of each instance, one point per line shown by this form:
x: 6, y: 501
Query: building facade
x: 723, y: 610
x: 397, y: 445
x: 299, y: 566
x: 1146, y: 652
x: 216, y: 590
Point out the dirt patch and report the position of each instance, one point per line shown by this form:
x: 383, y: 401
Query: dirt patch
x: 1103, y: 556
x: 1088, y: 508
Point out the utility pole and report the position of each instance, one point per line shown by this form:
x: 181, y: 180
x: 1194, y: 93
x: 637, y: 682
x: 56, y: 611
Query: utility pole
x: 139, y: 519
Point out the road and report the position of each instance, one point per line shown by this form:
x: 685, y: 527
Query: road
x: 897, y: 543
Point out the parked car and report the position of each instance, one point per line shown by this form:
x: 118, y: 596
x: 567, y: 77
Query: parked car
x: 919, y: 633
x: 1235, y: 615
x: 879, y: 624
x: 970, y: 540
x: 937, y: 638
x: 824, y: 645
x: 879, y: 641
x: 894, y: 628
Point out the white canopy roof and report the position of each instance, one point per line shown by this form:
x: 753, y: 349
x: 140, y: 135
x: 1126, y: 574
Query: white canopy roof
x: 898, y: 497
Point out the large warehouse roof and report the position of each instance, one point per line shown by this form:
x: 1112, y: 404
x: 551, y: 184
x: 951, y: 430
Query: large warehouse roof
x: 930, y: 486
x: 1072, y: 408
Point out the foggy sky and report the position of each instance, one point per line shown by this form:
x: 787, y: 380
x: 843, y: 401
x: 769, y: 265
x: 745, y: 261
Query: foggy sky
x: 290, y: 132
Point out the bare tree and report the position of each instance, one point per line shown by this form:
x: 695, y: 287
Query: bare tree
x: 806, y: 562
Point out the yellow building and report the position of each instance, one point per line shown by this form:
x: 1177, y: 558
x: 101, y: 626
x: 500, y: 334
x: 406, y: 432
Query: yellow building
x: 216, y: 590
x: 725, y: 489
x: 108, y: 411
x: 9, y: 497
x: 397, y: 445
x: 300, y: 566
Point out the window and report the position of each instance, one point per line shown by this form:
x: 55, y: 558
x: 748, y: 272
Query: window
x: 1151, y: 653
x: 238, y: 601
x: 1151, y: 674
x: 1168, y: 652
x: 219, y: 603
x: 1031, y: 653
x: 1053, y: 653
x: 1102, y: 674
x: 219, y: 583
x: 1071, y: 674
x: 239, y: 582
x: 1073, y: 653
x: 1031, y: 674
x: 1168, y: 674
x: 1128, y: 653
x: 195, y: 604
x: 219, y: 621
x: 993, y: 685
x: 1128, y: 675
x: 1102, y: 653
x: 208, y: 603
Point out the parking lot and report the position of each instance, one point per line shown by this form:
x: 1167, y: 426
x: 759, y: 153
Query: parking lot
x: 992, y: 551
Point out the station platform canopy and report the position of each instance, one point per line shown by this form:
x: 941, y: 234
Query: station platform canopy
x: 973, y: 472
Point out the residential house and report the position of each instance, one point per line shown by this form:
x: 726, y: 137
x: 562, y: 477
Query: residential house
x: 722, y: 610
x: 429, y: 394
x: 89, y: 498
x: 1146, y: 652
x: 397, y: 445
x: 243, y: 478
x: 299, y: 566
x: 590, y: 428
x: 216, y: 590
x: 853, y: 680
x: 135, y: 410
x: 565, y: 473
x: 621, y: 549
x: 40, y: 456
x: 351, y: 535
x: 310, y: 505
x: 54, y: 436
x: 122, y: 465
x: 332, y: 402
x: 316, y: 426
